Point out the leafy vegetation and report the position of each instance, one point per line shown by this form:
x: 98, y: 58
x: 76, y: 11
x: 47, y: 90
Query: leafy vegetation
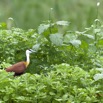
x: 65, y: 84
x: 53, y: 41
x: 67, y: 66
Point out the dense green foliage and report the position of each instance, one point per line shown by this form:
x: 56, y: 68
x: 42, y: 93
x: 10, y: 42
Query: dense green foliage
x: 52, y: 41
x: 65, y: 84
x: 67, y: 66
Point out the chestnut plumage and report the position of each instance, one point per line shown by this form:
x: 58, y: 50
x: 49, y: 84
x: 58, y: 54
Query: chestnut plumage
x: 20, y: 67
x: 17, y: 68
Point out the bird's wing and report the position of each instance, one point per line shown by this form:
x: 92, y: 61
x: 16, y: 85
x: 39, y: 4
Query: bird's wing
x: 17, y: 68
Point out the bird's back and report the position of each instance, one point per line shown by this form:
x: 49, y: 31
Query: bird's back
x: 18, y: 68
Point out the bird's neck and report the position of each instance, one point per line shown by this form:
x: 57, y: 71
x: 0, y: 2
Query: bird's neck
x: 27, y: 59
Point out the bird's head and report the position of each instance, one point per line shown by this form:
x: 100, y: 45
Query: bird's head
x: 29, y: 51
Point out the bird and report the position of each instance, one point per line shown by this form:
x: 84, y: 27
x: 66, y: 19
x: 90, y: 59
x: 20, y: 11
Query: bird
x: 20, y: 67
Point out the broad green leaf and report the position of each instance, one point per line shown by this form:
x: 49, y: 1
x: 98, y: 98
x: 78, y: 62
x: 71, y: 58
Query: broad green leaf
x: 97, y: 30
x: 65, y: 97
x: 99, y: 69
x: 56, y: 39
x: 59, y: 100
x: 98, y: 76
x: 89, y: 36
x: 75, y: 43
x: 52, y: 93
x: 43, y: 27
x: 63, y: 23
x: 69, y: 37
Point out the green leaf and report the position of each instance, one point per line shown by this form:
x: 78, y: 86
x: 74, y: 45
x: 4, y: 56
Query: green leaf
x: 98, y: 76
x: 65, y: 97
x: 69, y: 37
x: 62, y: 23
x: 52, y: 93
x: 75, y: 43
x: 97, y: 30
x: 56, y: 39
x: 99, y: 69
x: 87, y: 38
x: 59, y: 100
x: 43, y: 27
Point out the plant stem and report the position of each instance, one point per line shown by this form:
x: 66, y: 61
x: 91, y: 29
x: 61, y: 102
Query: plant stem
x: 50, y: 20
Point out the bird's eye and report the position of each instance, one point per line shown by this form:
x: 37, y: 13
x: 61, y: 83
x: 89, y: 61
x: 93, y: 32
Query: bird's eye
x: 31, y: 50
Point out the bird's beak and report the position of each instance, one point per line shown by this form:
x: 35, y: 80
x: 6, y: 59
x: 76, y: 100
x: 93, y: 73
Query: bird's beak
x: 31, y: 51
